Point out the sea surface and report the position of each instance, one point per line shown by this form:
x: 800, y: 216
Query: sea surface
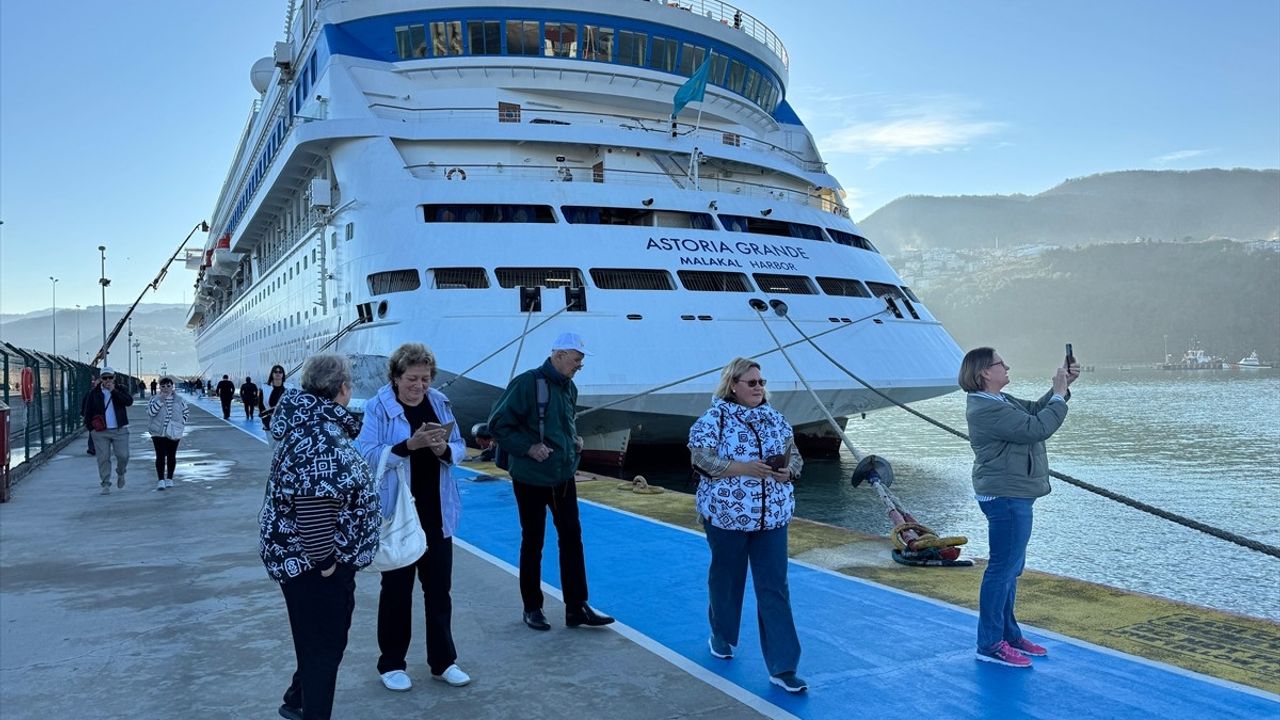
x: 1202, y: 444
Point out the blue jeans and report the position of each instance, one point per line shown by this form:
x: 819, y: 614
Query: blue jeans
x: 1008, y: 530
x: 766, y: 551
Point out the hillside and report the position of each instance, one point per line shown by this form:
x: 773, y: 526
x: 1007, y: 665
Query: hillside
x: 1105, y: 208
x: 161, y: 329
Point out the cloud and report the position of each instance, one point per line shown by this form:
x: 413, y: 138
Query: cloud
x: 1178, y: 155
x: 907, y: 126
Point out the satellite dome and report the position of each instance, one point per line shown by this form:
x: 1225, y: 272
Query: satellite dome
x: 261, y: 74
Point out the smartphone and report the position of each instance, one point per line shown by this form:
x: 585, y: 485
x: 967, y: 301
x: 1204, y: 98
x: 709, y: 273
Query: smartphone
x: 1071, y: 357
x: 447, y: 427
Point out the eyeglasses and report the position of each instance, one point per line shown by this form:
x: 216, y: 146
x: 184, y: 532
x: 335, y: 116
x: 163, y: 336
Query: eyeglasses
x: 754, y: 383
x: 1002, y: 364
x: 107, y: 377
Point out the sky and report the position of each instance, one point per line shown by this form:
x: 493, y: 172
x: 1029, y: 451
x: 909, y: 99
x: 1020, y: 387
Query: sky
x: 118, y: 121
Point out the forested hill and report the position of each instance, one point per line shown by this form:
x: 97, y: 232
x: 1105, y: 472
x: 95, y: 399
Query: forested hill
x: 1109, y: 207
x: 1117, y: 303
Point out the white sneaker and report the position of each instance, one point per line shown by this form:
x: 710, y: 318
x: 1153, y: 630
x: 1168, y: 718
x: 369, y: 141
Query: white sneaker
x: 160, y: 485
x: 168, y: 483
x: 397, y: 680
x: 454, y: 676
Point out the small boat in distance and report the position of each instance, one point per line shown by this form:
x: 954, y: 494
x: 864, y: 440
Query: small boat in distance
x: 1195, y: 358
x: 1250, y: 363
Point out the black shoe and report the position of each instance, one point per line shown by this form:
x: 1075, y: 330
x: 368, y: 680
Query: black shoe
x: 586, y: 616
x: 536, y: 620
x: 290, y: 712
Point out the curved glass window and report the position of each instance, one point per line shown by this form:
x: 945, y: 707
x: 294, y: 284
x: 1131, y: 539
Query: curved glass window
x: 446, y: 38
x: 597, y: 43
x: 485, y: 37
x: 631, y: 47
x: 523, y: 37
x: 560, y: 39
x: 691, y: 57
x: 662, y: 54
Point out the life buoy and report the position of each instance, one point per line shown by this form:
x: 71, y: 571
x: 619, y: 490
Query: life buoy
x: 462, y: 174
x: 28, y: 384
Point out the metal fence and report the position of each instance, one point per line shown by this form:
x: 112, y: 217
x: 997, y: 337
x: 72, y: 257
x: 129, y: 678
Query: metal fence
x: 43, y: 393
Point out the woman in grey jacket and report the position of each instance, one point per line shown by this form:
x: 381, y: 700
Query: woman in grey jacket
x: 1010, y: 470
x: 169, y: 417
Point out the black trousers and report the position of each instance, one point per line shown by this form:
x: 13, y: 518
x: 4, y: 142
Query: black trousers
x: 395, y: 608
x: 226, y: 408
x: 249, y: 408
x: 166, y: 456
x: 533, y: 501
x: 320, y: 616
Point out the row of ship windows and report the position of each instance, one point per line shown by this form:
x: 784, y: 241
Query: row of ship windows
x: 475, y: 278
x: 584, y: 42
x: 584, y: 215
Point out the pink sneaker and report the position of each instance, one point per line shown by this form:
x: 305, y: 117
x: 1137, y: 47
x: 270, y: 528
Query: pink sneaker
x: 1004, y: 654
x: 1026, y: 647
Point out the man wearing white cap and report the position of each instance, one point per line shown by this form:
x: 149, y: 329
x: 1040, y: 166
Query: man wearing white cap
x: 106, y: 417
x: 533, y: 422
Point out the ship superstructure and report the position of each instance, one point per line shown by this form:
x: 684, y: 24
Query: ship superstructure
x: 462, y: 172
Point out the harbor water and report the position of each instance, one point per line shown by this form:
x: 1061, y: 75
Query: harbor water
x: 1205, y: 445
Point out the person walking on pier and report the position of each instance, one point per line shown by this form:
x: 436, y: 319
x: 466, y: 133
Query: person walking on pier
x: 743, y: 451
x: 154, y: 385
x: 408, y: 420
x: 319, y: 524
x: 226, y: 393
x: 1010, y: 470
x: 533, y: 422
x: 169, y: 416
x: 106, y: 416
x: 249, y: 396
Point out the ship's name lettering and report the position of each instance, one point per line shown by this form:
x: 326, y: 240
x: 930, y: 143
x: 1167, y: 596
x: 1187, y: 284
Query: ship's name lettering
x: 720, y: 247
x: 718, y: 262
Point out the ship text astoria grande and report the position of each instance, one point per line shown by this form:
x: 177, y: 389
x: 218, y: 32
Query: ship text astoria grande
x: 461, y: 173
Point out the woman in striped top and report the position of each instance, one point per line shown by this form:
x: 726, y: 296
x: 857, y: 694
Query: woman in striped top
x: 169, y: 415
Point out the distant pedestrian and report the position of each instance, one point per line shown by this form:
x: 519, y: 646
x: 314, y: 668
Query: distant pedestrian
x: 107, y: 417
x: 169, y: 415
x: 249, y: 396
x: 1010, y: 470
x: 319, y: 525
x: 208, y: 387
x: 226, y: 393
x: 267, y: 401
x: 153, y: 388
x: 533, y: 422
x: 84, y: 403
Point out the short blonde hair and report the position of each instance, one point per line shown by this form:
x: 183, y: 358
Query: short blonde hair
x: 971, y: 368
x: 732, y: 373
x: 408, y: 355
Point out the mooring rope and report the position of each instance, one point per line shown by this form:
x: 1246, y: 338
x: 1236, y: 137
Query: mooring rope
x: 1183, y: 520
x: 513, y: 341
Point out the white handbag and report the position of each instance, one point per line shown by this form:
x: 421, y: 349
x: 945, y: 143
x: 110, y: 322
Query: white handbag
x: 402, y: 541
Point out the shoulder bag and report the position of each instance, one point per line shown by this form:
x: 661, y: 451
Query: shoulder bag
x: 402, y: 540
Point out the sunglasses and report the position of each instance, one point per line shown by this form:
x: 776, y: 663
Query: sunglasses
x: 754, y: 383
x: 108, y: 377
x: 1002, y: 364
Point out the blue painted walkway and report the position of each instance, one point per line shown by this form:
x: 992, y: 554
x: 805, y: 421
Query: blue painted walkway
x: 869, y: 651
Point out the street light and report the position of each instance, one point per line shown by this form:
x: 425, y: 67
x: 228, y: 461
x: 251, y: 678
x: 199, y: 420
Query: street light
x: 53, y: 316
x: 104, y: 282
x: 128, y: 344
x: 137, y: 348
x: 79, y: 352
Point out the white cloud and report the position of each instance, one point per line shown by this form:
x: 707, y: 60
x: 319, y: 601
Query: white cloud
x: 1177, y: 156
x: 922, y: 124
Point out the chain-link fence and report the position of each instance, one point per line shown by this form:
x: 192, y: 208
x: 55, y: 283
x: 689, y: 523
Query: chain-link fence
x: 43, y: 395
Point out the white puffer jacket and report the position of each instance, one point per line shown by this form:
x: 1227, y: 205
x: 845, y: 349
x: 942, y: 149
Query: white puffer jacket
x: 168, y: 416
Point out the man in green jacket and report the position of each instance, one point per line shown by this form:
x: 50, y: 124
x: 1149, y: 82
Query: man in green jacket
x: 533, y: 423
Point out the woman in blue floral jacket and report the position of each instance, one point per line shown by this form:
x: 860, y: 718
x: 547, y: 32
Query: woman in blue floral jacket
x: 745, y: 504
x: 319, y: 525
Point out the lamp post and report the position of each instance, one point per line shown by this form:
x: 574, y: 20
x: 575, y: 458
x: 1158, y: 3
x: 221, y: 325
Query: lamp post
x: 53, y: 316
x: 104, y: 282
x: 137, y: 348
x: 79, y: 352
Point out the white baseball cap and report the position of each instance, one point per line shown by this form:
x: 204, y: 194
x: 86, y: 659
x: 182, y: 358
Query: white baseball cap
x: 570, y: 341
x: 106, y: 371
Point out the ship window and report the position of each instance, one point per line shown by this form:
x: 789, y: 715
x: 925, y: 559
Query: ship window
x: 753, y: 81
x: 391, y: 281
x: 597, y: 43
x: 508, y: 112
x: 882, y: 289
x: 907, y: 291
x: 785, y: 284
x: 719, y: 64
x: 631, y: 47
x: 691, y: 58
x: 411, y: 41
x: 662, y: 54
x: 485, y: 37
x: 446, y: 38
x: 561, y: 40
x: 712, y: 281
x: 737, y: 71
x: 590, y: 215
x: 852, y: 240
x: 458, y: 278
x: 628, y: 279
x: 545, y: 277
x: 522, y: 37
x: 843, y: 287
x: 484, y: 213
x: 780, y: 228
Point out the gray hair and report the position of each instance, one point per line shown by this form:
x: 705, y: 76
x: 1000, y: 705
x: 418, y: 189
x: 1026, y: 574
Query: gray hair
x: 975, y: 362
x: 325, y: 373
x: 732, y: 373
x: 408, y: 355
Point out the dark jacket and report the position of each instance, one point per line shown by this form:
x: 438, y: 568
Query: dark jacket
x: 249, y: 394
x: 514, y: 424
x: 95, y: 404
x: 316, y: 457
x: 226, y: 389
x: 1009, y: 457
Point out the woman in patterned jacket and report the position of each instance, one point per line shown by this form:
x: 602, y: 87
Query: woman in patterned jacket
x: 742, y: 450
x: 319, y: 526
x: 169, y: 416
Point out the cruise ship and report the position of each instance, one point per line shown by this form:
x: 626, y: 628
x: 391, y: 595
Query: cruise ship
x: 477, y: 175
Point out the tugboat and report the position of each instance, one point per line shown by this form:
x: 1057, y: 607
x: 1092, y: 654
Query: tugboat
x: 1195, y: 358
x: 1251, y: 362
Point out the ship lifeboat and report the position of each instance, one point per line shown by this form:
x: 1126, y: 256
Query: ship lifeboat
x: 224, y: 261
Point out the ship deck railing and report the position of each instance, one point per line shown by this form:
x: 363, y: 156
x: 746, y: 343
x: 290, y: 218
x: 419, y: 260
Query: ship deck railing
x: 735, y: 17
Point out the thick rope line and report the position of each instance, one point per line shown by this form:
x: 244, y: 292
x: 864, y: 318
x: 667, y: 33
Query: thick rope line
x: 1217, y: 532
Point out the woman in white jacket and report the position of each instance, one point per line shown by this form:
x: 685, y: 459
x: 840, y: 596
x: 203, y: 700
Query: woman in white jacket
x: 169, y: 416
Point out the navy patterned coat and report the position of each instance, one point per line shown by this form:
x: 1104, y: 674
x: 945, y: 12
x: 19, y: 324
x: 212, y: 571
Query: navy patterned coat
x: 316, y: 457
